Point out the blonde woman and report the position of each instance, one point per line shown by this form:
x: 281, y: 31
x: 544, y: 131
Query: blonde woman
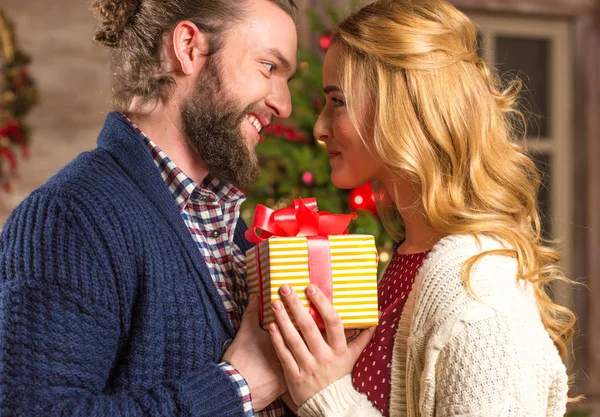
x: 467, y: 327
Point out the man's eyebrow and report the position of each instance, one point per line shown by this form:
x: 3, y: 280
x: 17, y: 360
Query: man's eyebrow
x: 283, y: 62
x: 332, y: 89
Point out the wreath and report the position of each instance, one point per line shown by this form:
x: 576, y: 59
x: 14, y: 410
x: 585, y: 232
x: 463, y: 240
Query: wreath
x: 18, y: 94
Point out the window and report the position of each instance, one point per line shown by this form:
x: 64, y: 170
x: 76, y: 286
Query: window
x: 537, y: 50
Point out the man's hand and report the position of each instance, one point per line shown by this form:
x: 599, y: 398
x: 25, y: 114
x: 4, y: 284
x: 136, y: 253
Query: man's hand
x: 253, y: 355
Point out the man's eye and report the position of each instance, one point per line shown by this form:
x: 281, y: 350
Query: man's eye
x: 270, y: 67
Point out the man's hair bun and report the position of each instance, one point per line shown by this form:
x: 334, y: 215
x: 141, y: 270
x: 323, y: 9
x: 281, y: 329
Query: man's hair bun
x: 114, y: 16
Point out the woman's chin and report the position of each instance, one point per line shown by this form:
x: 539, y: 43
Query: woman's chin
x: 344, y: 181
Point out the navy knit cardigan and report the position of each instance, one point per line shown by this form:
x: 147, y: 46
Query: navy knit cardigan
x: 107, y: 307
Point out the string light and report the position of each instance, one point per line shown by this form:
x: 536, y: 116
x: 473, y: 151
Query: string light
x: 384, y: 257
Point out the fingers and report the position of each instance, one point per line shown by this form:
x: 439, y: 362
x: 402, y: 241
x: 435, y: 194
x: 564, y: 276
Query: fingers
x: 252, y: 304
x: 306, y: 323
x: 333, y: 324
x: 251, y: 315
x: 290, y: 335
x: 286, y: 358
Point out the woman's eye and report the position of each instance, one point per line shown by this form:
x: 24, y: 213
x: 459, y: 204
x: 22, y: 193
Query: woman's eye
x: 336, y: 102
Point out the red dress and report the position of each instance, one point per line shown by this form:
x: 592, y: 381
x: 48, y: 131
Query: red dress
x: 371, y: 373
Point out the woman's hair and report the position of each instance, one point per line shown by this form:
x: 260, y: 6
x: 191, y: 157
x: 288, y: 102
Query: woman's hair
x: 443, y: 119
x: 134, y: 30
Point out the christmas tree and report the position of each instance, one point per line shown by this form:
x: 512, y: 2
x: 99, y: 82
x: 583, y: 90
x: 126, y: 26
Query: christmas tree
x: 17, y: 95
x: 294, y: 164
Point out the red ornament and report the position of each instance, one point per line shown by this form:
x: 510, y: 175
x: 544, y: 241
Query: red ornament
x: 325, y: 41
x: 363, y: 198
x: 308, y: 178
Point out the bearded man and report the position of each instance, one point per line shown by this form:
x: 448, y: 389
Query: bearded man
x: 122, y: 279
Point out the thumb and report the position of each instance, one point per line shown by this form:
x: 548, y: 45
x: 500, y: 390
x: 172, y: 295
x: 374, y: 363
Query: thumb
x: 252, y: 313
x: 360, y: 342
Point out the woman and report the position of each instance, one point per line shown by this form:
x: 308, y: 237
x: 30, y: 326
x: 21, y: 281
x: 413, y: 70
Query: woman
x: 467, y: 328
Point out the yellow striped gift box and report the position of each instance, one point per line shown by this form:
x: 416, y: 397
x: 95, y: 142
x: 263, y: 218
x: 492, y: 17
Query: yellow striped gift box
x: 284, y: 260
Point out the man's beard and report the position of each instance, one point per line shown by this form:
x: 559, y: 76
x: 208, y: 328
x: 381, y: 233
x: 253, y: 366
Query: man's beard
x: 213, y: 127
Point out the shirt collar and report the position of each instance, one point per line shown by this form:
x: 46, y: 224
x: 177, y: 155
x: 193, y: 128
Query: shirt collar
x: 210, y: 190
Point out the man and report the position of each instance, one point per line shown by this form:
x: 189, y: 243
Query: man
x: 122, y: 278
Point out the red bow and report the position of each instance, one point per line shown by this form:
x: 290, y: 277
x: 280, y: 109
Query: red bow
x: 302, y: 219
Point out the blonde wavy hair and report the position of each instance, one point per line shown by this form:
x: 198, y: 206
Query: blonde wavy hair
x: 441, y: 117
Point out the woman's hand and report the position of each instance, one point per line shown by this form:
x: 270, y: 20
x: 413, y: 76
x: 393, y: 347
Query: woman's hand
x: 312, y: 364
x: 287, y: 399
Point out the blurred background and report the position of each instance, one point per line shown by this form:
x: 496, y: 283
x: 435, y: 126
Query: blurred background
x: 55, y: 87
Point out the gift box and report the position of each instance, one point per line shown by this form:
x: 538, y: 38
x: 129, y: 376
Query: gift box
x: 300, y: 246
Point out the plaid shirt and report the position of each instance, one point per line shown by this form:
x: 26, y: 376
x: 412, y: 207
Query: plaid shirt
x: 210, y: 211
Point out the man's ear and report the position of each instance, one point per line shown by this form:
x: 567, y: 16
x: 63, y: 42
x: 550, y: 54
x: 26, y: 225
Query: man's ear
x: 190, y: 48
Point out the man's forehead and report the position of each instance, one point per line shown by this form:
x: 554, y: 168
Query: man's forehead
x: 267, y: 26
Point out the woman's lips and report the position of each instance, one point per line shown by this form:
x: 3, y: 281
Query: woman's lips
x: 333, y: 154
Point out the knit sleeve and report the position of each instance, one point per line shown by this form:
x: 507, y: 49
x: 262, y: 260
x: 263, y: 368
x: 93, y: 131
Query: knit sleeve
x: 339, y: 399
x: 495, y: 366
x: 60, y: 325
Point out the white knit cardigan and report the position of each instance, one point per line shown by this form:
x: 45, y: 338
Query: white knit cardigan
x: 459, y: 355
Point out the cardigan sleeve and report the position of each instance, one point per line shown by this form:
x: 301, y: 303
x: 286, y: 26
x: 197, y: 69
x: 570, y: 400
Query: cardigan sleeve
x: 340, y: 399
x: 60, y: 324
x: 484, y: 351
x: 491, y: 368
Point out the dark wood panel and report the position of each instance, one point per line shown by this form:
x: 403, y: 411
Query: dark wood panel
x: 540, y: 7
x: 587, y: 136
